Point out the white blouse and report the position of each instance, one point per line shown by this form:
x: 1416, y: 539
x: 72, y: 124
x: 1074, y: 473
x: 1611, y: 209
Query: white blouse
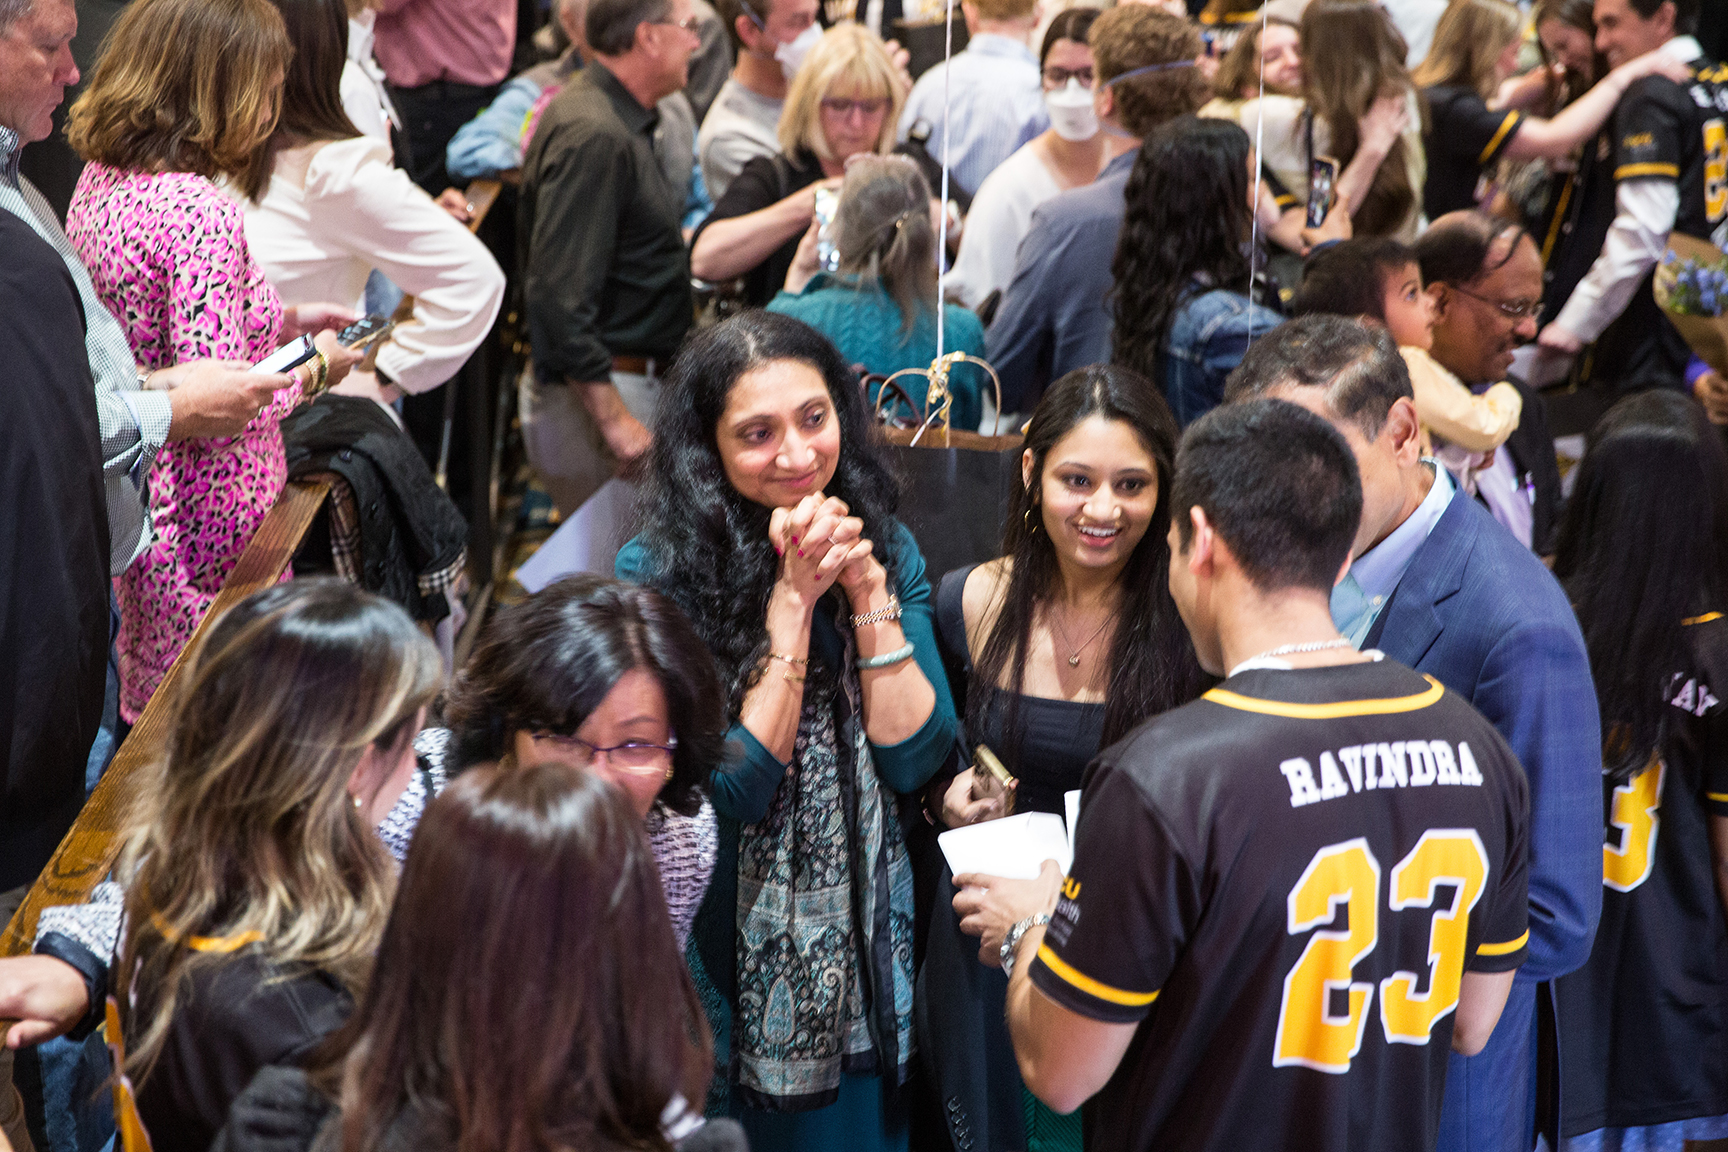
x: 1000, y: 217
x: 335, y: 210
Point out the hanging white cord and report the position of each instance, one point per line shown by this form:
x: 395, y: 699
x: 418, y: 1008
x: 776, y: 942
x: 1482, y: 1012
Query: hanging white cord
x: 947, y: 136
x: 1259, y: 165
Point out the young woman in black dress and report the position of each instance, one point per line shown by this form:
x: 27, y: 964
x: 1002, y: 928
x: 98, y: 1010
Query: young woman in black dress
x: 1059, y: 647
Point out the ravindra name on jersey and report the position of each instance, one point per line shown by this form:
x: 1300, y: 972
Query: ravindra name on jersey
x: 1283, y: 884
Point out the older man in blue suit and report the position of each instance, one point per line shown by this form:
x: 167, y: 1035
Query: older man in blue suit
x: 1440, y: 585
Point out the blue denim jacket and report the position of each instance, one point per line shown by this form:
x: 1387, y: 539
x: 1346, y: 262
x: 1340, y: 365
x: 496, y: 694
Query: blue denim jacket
x: 1209, y: 335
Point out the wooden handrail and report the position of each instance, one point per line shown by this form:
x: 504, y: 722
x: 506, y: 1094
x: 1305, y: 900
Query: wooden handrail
x: 88, y: 851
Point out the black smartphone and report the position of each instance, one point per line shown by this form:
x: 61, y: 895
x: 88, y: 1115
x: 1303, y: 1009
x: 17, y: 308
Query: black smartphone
x: 1322, y: 182
x: 365, y: 331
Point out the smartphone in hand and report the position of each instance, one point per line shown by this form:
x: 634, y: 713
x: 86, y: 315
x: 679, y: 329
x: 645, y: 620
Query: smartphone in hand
x: 1322, y: 186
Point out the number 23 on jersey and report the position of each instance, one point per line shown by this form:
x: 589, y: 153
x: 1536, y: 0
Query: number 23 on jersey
x: 1324, y: 1013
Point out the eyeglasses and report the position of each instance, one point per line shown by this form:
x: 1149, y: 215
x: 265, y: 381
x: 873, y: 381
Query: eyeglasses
x: 1515, y: 311
x: 1055, y: 77
x: 690, y: 24
x: 630, y: 756
x: 843, y: 108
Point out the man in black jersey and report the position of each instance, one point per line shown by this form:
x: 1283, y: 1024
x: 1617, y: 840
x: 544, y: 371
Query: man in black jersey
x: 1660, y: 166
x: 1293, y: 897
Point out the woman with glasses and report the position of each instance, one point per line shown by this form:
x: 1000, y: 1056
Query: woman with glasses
x: 770, y: 520
x: 610, y: 678
x: 1069, y: 154
x: 844, y: 102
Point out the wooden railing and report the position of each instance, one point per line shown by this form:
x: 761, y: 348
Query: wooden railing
x: 88, y: 851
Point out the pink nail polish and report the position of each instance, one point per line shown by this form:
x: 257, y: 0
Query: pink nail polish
x: 800, y: 551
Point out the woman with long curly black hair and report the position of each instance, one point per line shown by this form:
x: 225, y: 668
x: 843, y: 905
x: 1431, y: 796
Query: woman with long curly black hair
x: 1060, y: 647
x: 1182, y: 315
x: 770, y: 521
x: 1643, y: 554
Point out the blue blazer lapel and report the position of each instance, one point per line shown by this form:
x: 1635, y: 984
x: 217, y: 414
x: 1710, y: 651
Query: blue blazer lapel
x: 1410, y: 624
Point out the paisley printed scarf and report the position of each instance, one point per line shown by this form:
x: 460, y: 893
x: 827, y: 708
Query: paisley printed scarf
x: 824, y: 915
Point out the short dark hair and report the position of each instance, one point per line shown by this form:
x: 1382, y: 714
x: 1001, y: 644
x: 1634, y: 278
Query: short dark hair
x: 755, y: 11
x: 1349, y: 279
x: 1280, y: 487
x: 1685, y: 13
x: 546, y: 663
x: 1357, y: 364
x: 1455, y: 250
x: 610, y: 25
x: 1070, y: 24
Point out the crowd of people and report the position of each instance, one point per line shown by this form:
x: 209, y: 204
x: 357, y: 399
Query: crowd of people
x: 1359, y: 600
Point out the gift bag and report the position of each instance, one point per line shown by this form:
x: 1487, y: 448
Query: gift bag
x: 955, y: 485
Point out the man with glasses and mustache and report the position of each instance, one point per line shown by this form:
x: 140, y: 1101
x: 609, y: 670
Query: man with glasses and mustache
x: 1484, y: 277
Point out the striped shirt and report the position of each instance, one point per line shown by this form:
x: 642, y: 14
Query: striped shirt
x: 134, y: 423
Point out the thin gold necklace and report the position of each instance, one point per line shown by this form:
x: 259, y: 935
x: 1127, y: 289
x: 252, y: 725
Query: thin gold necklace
x: 1073, y: 652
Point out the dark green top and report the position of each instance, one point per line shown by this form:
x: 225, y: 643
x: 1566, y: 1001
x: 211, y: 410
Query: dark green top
x: 607, y: 272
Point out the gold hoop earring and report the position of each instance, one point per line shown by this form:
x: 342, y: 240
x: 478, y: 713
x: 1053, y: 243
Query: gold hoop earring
x: 669, y: 772
x: 1027, y: 522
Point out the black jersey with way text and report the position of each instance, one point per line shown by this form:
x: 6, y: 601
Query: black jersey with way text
x: 1660, y: 130
x: 1283, y: 883
x: 1644, y: 1024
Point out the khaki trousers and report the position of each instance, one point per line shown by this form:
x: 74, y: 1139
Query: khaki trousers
x: 564, y: 444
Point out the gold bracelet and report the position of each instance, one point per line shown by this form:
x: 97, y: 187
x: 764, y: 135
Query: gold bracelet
x: 319, y: 369
x: 788, y: 659
x: 888, y: 611
x: 794, y: 679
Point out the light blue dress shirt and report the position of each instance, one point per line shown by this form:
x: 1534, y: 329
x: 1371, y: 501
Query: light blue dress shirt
x: 1359, y: 598
x: 995, y: 101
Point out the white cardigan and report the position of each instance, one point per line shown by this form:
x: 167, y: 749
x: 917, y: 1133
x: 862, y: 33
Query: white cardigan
x: 335, y: 210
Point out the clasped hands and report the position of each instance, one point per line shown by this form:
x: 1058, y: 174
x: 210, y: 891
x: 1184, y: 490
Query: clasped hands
x: 821, y: 544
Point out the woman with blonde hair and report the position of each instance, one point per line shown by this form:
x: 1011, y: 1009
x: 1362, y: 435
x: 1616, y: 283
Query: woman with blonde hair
x: 254, y: 882
x: 187, y: 92
x: 844, y: 102
x: 1469, y: 130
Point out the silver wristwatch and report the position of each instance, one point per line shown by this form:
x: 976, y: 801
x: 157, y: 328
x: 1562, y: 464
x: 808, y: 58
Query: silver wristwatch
x: 1011, y: 941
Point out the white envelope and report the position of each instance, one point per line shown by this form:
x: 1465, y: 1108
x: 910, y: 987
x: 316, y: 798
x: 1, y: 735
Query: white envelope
x: 1014, y: 847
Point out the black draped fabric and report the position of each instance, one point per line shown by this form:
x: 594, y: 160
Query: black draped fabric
x: 53, y: 551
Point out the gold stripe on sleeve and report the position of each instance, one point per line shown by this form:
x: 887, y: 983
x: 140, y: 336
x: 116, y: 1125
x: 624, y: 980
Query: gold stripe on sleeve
x: 1628, y: 171
x: 1506, y: 126
x: 1704, y: 619
x: 1070, y: 975
x: 1329, y: 711
x: 1505, y: 949
x: 1719, y: 797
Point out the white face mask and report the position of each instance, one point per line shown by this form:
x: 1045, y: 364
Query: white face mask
x: 1071, y: 112
x: 792, y: 53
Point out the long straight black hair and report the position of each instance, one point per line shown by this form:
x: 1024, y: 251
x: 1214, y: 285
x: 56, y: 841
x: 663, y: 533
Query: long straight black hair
x: 707, y: 546
x: 1187, y: 216
x: 1642, y: 546
x: 1152, y: 662
x: 311, y: 88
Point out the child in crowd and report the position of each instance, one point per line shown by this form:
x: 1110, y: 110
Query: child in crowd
x: 1378, y: 280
